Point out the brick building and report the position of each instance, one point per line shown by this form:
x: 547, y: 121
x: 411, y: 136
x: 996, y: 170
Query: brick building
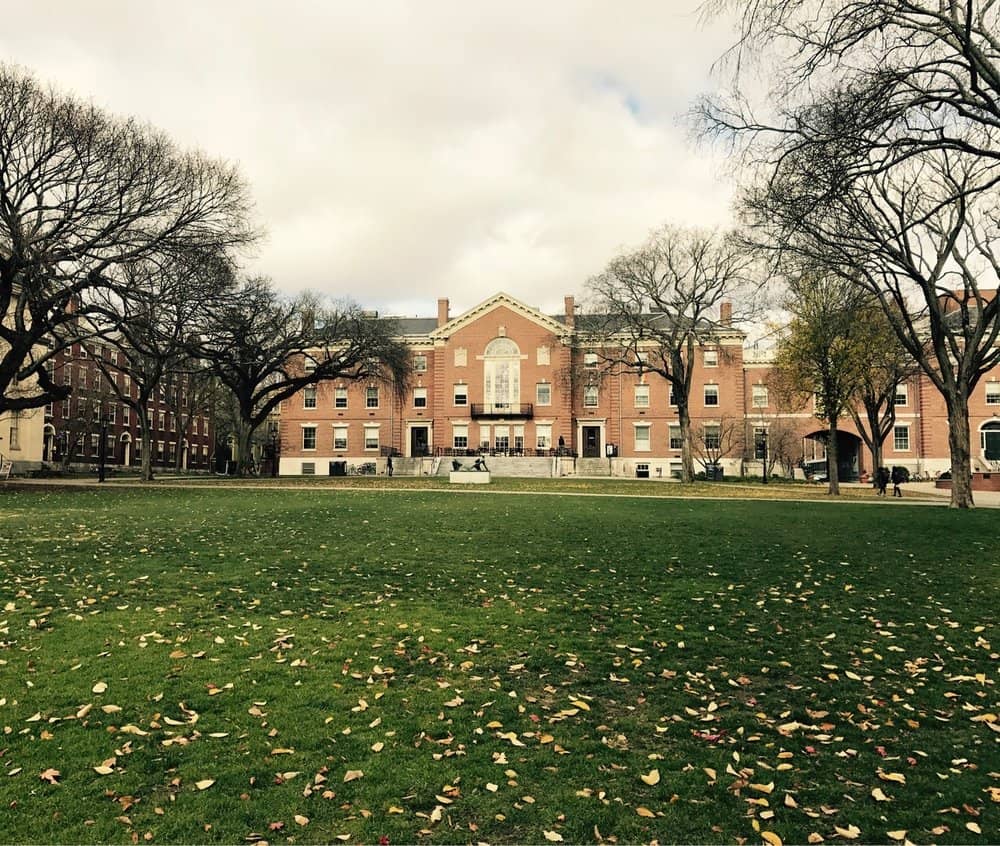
x: 506, y: 380
x: 182, y: 435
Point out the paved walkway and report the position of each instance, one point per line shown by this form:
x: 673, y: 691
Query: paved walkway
x: 930, y: 495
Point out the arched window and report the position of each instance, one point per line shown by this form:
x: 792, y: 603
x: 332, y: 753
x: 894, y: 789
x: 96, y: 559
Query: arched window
x: 502, y: 376
x: 989, y: 434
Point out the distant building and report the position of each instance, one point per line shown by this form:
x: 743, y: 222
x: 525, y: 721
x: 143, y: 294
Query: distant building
x: 505, y: 380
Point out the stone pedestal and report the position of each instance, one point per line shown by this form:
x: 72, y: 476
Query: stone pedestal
x: 469, y: 477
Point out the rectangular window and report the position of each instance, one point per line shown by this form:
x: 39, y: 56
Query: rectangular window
x: 642, y: 396
x: 590, y: 360
x: 542, y: 355
x: 460, y: 437
x: 519, y: 439
x: 308, y: 437
x: 309, y: 365
x: 711, y: 394
x: 340, y: 397
x: 902, y: 396
x: 484, y: 437
x: 642, y: 438
x: 759, y: 394
x: 67, y: 375
x: 172, y: 452
x: 590, y: 396
x: 711, y: 358
x: 713, y: 437
x: 308, y: 468
x: 162, y: 419
x: 95, y: 444
x: 993, y: 393
x: 420, y: 397
x: 83, y: 377
x: 461, y: 394
x: 543, y: 436
x: 309, y: 397
x: 159, y: 451
x: 672, y: 400
x: 420, y: 363
x: 371, y: 437
x: 501, y: 435
x: 125, y: 415
x: 543, y: 393
x: 371, y: 397
x: 675, y: 442
x: 901, y: 438
x: 340, y: 438
x: 14, y: 436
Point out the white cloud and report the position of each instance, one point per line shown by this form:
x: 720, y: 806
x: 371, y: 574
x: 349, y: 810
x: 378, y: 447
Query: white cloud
x: 401, y: 152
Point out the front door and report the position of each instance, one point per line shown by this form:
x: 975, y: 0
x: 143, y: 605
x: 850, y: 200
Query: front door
x: 418, y: 441
x: 591, y: 441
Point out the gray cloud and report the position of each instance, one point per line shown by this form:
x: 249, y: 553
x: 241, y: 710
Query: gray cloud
x: 399, y: 152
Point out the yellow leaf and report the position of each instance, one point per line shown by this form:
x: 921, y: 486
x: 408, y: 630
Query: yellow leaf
x: 553, y: 836
x: 378, y: 747
x: 579, y: 703
x: 879, y: 796
x: 763, y: 788
x: 771, y: 837
x: 103, y: 770
x: 814, y: 837
x: 644, y: 812
x: 353, y: 775
x: 652, y: 777
x: 205, y: 783
x: 491, y: 787
x: 899, y: 778
x: 849, y: 833
x: 710, y: 773
x: 281, y: 751
x: 974, y: 827
x: 790, y: 801
x: 100, y: 687
x: 897, y: 835
x: 301, y: 820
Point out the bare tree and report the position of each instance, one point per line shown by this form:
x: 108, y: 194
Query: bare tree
x: 878, y: 157
x: 82, y: 193
x: 653, y: 306
x: 265, y: 347
x: 711, y: 442
x: 188, y: 392
x: 885, y: 365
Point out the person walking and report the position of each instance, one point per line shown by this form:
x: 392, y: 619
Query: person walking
x: 388, y: 466
x: 881, y: 480
x: 898, y: 477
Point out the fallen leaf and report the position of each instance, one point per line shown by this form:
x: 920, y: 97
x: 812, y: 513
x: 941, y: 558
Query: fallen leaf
x: 50, y: 775
x: 771, y: 837
x: 879, y: 796
x: 850, y: 833
x: 644, y: 812
x: 897, y: 835
x: 353, y: 775
x: 652, y: 777
x: 100, y: 687
x: 974, y: 827
x: 205, y: 783
x: 301, y: 820
x: 553, y: 836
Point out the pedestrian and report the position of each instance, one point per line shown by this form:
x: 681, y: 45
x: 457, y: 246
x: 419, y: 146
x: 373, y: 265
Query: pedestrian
x: 899, y: 476
x: 881, y: 480
x: 388, y: 466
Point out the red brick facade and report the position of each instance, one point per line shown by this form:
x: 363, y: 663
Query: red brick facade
x: 506, y: 379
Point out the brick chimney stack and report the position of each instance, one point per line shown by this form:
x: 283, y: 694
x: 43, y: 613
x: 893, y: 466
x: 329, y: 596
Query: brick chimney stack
x: 569, y: 303
x: 726, y: 313
x: 442, y: 311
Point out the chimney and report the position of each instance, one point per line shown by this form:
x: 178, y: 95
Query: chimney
x: 570, y: 306
x: 726, y: 313
x: 442, y: 311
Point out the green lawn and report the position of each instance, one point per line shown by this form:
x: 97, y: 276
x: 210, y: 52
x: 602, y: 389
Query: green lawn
x: 312, y: 666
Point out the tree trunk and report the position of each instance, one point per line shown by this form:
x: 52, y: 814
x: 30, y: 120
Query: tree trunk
x: 832, y: 467
x: 687, y: 458
x: 960, y: 448
x: 877, y: 459
x: 146, y: 465
x: 244, y: 446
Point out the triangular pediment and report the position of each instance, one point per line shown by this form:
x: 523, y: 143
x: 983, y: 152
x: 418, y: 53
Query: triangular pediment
x: 500, y: 300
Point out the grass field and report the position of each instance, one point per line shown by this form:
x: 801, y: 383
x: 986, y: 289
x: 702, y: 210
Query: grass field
x: 324, y: 665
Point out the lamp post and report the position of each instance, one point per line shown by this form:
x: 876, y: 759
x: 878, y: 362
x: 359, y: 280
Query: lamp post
x: 762, y: 452
x: 102, y: 450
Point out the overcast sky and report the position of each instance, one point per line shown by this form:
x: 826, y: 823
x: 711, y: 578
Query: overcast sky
x: 403, y: 151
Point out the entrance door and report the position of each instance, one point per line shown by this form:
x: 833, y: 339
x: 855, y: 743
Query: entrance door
x: 591, y: 441
x: 418, y: 441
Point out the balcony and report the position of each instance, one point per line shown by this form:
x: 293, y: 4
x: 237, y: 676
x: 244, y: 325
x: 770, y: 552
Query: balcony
x: 506, y: 410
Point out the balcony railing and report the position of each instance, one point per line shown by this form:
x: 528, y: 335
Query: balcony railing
x: 501, y: 409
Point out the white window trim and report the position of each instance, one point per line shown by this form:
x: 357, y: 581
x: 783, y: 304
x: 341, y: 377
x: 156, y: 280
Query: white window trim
x: 909, y: 440
x: 648, y: 447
